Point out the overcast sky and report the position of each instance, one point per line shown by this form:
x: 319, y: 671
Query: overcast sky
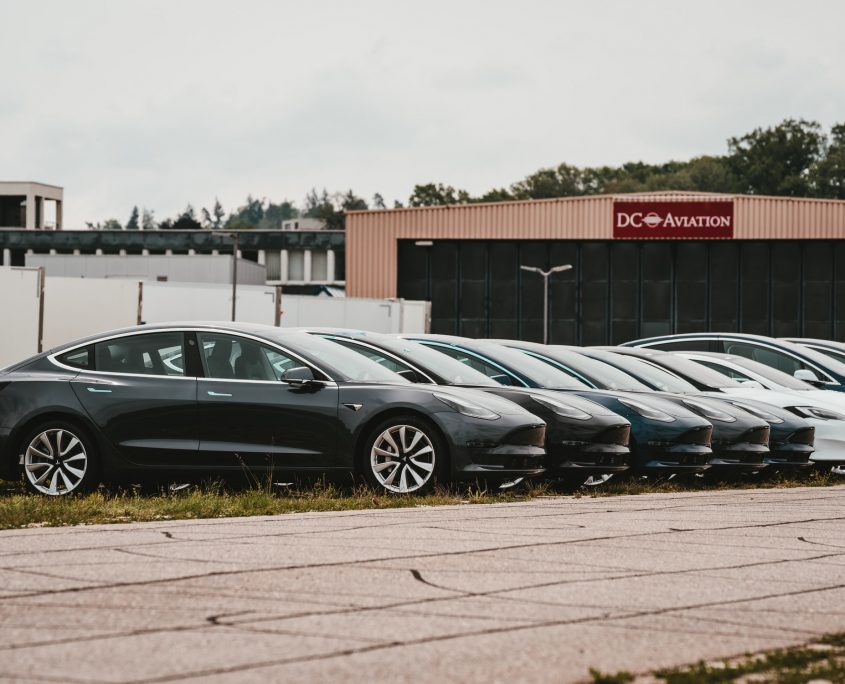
x: 161, y: 103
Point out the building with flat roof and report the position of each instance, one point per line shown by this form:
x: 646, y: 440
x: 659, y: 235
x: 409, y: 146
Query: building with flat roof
x: 643, y: 264
x: 30, y: 206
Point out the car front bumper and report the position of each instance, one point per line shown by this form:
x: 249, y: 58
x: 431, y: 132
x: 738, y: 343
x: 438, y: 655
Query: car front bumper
x: 603, y: 451
x: 830, y: 442
x: 688, y: 452
x: 501, y: 453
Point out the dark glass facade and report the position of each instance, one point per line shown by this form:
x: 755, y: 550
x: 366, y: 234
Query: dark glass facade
x: 622, y: 290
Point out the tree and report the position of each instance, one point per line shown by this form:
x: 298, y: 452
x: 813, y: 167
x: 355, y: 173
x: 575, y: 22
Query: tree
x: 828, y: 176
x: 275, y: 214
x: 563, y: 181
x: 187, y: 220
x: 213, y: 220
x: 247, y: 216
x: 132, y: 223
x: 320, y: 206
x: 496, y: 195
x: 108, y: 224
x: 777, y: 160
x: 147, y: 219
x: 349, y: 201
x: 431, y: 194
x: 378, y: 202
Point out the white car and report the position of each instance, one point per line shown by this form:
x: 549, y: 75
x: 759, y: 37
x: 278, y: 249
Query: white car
x: 823, y: 408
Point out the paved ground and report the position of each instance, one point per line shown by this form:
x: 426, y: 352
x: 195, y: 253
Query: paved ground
x: 539, y: 591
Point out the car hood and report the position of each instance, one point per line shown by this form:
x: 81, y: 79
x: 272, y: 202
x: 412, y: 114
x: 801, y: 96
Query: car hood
x: 673, y: 408
x: 784, y: 399
x: 718, y: 403
x: 581, y: 403
x: 493, y: 402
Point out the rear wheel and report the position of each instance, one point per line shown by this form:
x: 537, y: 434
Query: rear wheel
x: 58, y: 459
x: 404, y: 455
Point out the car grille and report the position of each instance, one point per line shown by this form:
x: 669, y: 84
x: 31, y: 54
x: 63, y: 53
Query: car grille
x: 531, y: 436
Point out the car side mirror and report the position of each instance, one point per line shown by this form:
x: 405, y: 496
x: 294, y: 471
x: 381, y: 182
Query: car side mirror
x: 751, y: 383
x: 300, y: 375
x: 409, y: 374
x: 806, y: 375
x: 502, y: 379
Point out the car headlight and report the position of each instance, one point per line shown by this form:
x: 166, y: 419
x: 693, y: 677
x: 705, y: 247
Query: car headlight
x: 760, y: 413
x: 467, y: 408
x: 709, y: 412
x: 647, y: 411
x: 561, y: 409
x: 816, y: 412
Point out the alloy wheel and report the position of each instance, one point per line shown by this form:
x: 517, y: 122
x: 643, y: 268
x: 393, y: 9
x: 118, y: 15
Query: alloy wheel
x: 402, y: 459
x: 55, y: 462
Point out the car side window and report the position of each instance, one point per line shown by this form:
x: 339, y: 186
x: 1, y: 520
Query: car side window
x: 145, y: 354
x: 683, y: 345
x: 78, y: 358
x: 769, y: 357
x: 381, y: 359
x: 229, y: 357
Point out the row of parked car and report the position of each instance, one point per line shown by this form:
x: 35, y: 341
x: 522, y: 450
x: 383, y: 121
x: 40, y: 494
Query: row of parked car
x: 405, y: 412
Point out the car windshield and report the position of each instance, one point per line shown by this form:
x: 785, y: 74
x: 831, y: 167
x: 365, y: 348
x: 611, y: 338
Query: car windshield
x: 452, y: 372
x: 769, y: 373
x: 816, y: 356
x: 539, y: 372
x: 341, y: 362
x: 600, y: 373
x: 696, y: 373
x: 832, y: 353
x: 649, y: 374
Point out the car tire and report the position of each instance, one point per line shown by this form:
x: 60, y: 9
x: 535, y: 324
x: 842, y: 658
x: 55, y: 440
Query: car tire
x: 58, y: 458
x: 417, y: 449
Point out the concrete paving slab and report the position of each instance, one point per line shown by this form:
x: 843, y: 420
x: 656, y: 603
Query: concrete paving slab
x: 533, y: 592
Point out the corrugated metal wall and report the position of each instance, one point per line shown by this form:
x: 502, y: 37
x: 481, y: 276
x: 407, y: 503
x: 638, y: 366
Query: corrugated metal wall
x: 371, y: 236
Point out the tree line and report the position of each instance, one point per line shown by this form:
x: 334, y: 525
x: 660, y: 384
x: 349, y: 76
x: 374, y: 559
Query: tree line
x: 795, y: 158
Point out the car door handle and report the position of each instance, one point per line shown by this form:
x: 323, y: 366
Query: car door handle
x: 98, y: 390
x: 218, y: 394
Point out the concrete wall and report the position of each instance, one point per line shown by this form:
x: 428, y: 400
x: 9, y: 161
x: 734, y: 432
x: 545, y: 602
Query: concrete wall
x: 199, y: 268
x: 376, y: 315
x: 168, y: 302
x: 20, y: 304
x: 78, y: 307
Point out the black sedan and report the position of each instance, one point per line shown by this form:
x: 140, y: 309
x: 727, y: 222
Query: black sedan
x: 740, y: 439
x: 583, y: 439
x: 791, y: 437
x: 665, y: 437
x: 200, y: 399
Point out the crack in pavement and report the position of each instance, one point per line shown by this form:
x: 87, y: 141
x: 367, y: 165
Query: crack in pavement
x: 448, y: 637
x: 455, y: 603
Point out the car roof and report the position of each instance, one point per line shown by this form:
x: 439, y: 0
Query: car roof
x: 833, y: 344
x: 253, y: 328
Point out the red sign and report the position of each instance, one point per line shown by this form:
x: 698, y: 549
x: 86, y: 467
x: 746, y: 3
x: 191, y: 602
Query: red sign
x: 673, y: 220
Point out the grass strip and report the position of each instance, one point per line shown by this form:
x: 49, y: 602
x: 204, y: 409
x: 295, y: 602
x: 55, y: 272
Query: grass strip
x: 820, y: 661
x: 214, y: 500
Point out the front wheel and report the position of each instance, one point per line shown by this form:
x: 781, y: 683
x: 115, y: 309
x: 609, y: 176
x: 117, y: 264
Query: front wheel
x: 58, y: 459
x: 404, y: 455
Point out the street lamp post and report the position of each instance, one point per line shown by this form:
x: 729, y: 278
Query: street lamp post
x: 234, y: 237
x: 546, y: 274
